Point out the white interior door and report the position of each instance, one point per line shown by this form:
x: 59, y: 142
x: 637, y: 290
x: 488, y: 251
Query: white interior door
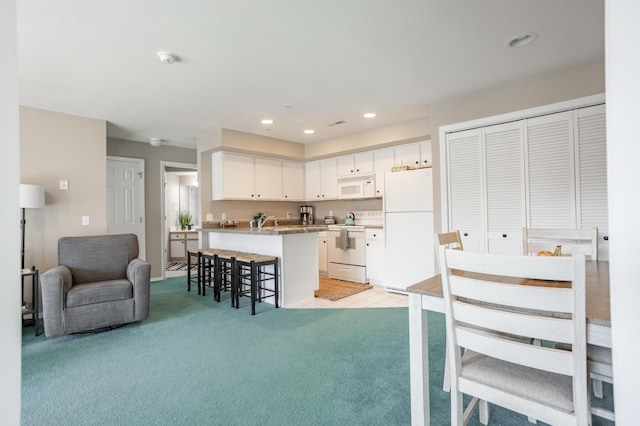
x: 125, y: 198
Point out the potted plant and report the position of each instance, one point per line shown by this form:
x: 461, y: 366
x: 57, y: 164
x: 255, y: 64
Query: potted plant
x: 184, y: 219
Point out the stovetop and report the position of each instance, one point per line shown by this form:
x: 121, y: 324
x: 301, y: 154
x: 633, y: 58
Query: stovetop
x: 363, y: 219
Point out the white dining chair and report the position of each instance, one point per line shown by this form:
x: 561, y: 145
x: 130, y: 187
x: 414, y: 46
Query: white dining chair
x: 449, y: 239
x: 570, y: 240
x: 543, y: 383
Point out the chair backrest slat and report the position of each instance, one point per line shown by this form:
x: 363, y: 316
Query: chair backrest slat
x: 552, y: 360
x: 521, y: 296
x: 536, y: 326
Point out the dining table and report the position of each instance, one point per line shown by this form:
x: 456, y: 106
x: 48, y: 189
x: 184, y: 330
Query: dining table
x: 427, y: 296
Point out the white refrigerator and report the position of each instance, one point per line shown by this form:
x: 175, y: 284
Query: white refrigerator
x: 408, y: 228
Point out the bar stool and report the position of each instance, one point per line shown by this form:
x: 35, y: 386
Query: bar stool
x: 197, y: 254
x: 217, y: 271
x: 251, y: 274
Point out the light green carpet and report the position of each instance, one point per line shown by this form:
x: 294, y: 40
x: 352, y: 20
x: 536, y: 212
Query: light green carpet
x: 198, y: 362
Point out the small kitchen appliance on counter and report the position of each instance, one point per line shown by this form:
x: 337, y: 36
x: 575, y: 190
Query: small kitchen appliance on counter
x: 306, y: 215
x: 329, y: 220
x: 350, y: 220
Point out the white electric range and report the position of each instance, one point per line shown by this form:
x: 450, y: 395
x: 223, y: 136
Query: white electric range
x: 347, y: 247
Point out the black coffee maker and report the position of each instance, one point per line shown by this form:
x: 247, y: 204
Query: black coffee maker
x: 306, y: 215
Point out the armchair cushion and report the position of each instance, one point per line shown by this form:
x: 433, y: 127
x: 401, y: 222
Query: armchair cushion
x: 103, y: 291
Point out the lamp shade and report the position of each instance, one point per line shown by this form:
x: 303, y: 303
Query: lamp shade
x: 31, y: 196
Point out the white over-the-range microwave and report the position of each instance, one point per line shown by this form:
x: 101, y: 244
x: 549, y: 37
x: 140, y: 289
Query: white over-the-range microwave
x: 361, y: 186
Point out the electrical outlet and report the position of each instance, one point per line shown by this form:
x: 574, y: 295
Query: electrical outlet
x: 63, y: 185
x: 85, y: 221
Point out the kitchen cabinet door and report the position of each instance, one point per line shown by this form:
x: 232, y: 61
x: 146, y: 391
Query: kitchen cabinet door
x: 425, y: 154
x: 407, y: 155
x: 233, y: 176
x: 591, y: 161
x: 268, y: 179
x: 375, y: 256
x: 359, y: 163
x: 383, y: 161
x: 293, y: 181
x: 323, y: 263
x: 328, y: 179
x: 363, y: 162
x: 504, y: 187
x: 312, y: 180
x: 345, y: 164
x: 466, y: 187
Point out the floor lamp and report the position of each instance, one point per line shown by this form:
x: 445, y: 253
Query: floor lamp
x: 31, y: 197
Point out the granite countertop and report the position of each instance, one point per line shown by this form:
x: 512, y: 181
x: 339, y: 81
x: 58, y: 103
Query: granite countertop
x: 270, y: 230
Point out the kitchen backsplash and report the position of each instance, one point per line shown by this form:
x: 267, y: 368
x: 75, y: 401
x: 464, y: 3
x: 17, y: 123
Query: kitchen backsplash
x: 244, y: 210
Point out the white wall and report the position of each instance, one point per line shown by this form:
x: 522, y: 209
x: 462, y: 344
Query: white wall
x: 10, y: 325
x: 623, y: 151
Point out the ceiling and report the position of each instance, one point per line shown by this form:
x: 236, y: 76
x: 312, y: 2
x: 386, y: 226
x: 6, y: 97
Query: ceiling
x: 306, y: 64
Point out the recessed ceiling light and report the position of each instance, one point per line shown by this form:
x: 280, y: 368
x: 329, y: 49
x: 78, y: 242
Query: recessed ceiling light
x: 309, y: 132
x: 267, y: 121
x: 522, y: 40
x: 369, y: 115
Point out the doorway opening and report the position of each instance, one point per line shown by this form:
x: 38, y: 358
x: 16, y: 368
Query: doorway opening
x: 180, y: 194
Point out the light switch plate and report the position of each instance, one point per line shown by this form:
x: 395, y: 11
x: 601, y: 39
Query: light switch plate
x: 209, y: 216
x: 85, y: 220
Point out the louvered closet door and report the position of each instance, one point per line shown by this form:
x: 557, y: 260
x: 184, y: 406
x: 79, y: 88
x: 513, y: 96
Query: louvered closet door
x: 466, y: 184
x: 550, y: 167
x: 504, y: 174
x: 592, y: 174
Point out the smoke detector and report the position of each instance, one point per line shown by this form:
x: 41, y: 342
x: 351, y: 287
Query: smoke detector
x: 155, y: 142
x: 167, y: 57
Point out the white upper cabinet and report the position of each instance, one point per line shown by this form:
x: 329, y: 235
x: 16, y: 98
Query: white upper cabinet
x: 268, y: 179
x: 407, y: 155
x: 245, y: 177
x: 322, y: 179
x: 293, y: 181
x: 382, y: 163
x: 328, y: 179
x: 355, y: 164
x: 312, y: 179
x: 425, y: 154
x: 233, y: 176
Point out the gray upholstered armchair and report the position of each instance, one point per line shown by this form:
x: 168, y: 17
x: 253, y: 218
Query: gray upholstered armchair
x: 99, y: 282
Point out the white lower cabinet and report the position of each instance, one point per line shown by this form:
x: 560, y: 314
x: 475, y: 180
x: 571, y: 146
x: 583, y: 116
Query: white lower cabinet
x: 375, y: 256
x: 180, y: 242
x: 323, y: 265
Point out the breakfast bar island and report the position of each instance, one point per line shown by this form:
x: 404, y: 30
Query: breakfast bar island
x: 295, y: 246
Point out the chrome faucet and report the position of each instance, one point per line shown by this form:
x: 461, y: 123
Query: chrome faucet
x: 263, y: 219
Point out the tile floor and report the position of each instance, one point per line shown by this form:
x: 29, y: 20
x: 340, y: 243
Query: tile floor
x: 376, y: 297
